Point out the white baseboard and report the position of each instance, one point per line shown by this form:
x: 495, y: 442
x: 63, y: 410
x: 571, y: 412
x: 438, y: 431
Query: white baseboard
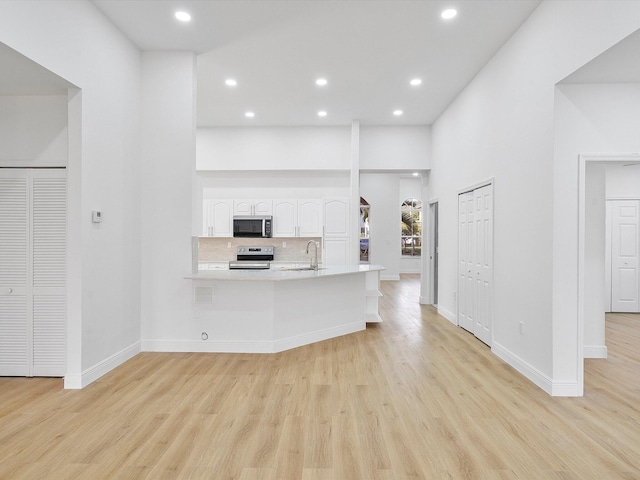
x: 259, y: 346
x: 595, y: 351
x: 425, y: 301
x: 394, y: 278
x: 552, y: 387
x: 90, y: 375
x: 448, y: 315
x: 526, y: 369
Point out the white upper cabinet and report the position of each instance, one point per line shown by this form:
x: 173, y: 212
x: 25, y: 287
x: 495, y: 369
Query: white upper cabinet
x: 285, y: 218
x: 252, y: 207
x: 217, y: 218
x: 309, y: 218
x: 297, y: 218
x: 336, y: 217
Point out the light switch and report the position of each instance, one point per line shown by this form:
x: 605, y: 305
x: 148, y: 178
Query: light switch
x: 96, y: 216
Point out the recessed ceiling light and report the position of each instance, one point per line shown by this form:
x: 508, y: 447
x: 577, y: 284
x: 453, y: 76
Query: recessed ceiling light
x: 249, y: 114
x: 183, y: 16
x: 449, y: 13
x: 321, y: 82
x: 415, y: 82
x: 397, y: 113
x: 230, y: 82
x: 322, y: 113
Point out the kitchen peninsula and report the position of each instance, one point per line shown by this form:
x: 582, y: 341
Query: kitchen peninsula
x: 262, y: 311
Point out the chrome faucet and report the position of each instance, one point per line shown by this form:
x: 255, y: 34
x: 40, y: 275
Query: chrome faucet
x: 314, y: 260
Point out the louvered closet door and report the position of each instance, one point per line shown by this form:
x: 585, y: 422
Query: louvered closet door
x: 32, y: 272
x: 14, y: 253
x: 49, y: 271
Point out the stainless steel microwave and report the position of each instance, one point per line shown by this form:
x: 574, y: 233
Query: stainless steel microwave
x: 252, y: 226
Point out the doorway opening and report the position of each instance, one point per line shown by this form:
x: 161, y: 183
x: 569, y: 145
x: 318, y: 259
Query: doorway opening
x: 591, y: 315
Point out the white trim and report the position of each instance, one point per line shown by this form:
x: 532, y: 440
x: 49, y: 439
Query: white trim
x: 393, y: 278
x: 595, y: 351
x: 582, y: 168
x: 622, y: 197
x: 90, y: 375
x: 448, y: 315
x: 484, y: 183
x: 425, y: 301
x: 260, y: 346
x: 410, y: 270
x: 526, y: 369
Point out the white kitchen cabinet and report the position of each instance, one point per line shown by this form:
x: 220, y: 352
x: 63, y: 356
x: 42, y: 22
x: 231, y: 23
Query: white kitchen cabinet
x: 335, y: 238
x: 252, y: 207
x: 217, y: 218
x: 297, y: 218
x: 336, y: 217
x: 335, y: 251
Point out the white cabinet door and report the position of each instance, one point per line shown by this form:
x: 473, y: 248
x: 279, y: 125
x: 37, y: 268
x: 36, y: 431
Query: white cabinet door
x: 297, y: 218
x: 309, y: 218
x: 335, y: 252
x: 285, y: 218
x: 262, y: 207
x: 218, y: 218
x: 252, y: 207
x: 625, y: 246
x: 33, y: 272
x: 336, y: 217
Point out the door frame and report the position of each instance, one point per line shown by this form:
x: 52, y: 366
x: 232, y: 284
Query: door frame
x: 602, y: 158
x: 431, y: 266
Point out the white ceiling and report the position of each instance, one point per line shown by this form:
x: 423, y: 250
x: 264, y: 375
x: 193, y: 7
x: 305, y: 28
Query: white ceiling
x: 367, y: 49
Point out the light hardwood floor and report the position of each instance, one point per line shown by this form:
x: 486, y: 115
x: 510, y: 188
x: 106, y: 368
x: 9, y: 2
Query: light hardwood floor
x: 414, y: 397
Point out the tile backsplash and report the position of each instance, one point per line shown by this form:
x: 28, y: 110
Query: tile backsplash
x: 212, y: 249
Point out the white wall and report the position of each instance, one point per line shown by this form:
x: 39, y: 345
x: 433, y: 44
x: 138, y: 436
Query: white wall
x: 168, y: 163
x: 395, y: 148
x: 590, y: 119
x: 624, y: 181
x: 33, y: 130
x: 501, y: 126
x: 382, y: 191
x: 75, y: 41
x: 274, y: 148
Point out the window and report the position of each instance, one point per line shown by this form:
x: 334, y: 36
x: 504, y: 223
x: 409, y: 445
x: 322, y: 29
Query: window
x: 411, y: 235
x: 364, y: 231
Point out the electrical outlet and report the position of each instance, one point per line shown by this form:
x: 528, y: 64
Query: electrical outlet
x: 521, y: 328
x: 196, y: 314
x: 228, y: 244
x: 284, y: 244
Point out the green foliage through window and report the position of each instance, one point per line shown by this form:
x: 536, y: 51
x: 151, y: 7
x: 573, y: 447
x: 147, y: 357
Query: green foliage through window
x: 411, y: 236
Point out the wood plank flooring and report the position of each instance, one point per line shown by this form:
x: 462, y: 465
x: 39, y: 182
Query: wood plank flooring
x: 412, y: 398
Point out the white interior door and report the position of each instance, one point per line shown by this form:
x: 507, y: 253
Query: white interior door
x: 465, y: 267
x: 32, y: 272
x: 483, y: 262
x: 14, y: 254
x: 625, y: 246
x: 475, y: 268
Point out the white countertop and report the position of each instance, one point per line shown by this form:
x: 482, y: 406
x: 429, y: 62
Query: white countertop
x: 275, y: 274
